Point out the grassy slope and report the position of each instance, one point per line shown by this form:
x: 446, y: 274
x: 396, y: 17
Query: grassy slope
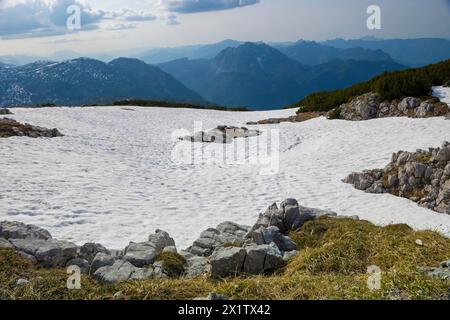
x: 332, y: 264
x: 390, y: 85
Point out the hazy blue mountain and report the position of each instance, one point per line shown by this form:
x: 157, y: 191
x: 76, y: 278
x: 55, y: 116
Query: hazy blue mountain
x: 207, y: 51
x: 82, y: 81
x: 312, y: 53
x: 339, y: 74
x: 261, y: 77
x: 411, y: 52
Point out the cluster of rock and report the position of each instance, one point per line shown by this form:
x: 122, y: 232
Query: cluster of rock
x: 441, y: 272
x: 221, y: 134
x: 422, y: 176
x: 4, y: 111
x: 228, y: 250
x: 368, y: 107
x: 300, y: 117
x: 10, y: 128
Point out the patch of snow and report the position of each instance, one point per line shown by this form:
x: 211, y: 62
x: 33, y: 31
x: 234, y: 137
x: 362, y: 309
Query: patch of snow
x: 111, y: 179
x: 443, y: 93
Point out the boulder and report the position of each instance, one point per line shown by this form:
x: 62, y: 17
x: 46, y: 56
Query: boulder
x: 262, y: 259
x: 121, y: 271
x: 210, y: 239
x: 161, y: 239
x: 289, y: 217
x: 227, y: 261
x: 48, y: 253
x: 18, y: 230
x: 140, y: 254
x: 88, y: 251
x: 408, y: 104
x: 101, y: 260
x: 273, y: 234
x: 81, y: 263
x: 196, y: 266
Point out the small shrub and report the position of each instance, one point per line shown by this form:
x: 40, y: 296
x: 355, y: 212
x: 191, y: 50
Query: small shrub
x: 173, y: 263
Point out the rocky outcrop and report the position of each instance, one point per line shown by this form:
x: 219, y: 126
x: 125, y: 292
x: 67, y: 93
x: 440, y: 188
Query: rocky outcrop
x: 368, y: 107
x: 4, y: 111
x: 300, y: 117
x: 210, y: 239
x: 222, y: 134
x: 18, y: 230
x: 441, y: 272
x: 422, y: 176
x: 122, y: 271
x: 230, y: 249
x: 11, y: 128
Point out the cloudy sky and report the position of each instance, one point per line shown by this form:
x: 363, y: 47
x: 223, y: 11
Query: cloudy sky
x: 39, y: 26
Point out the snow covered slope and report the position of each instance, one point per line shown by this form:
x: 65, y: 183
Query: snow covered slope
x: 111, y: 179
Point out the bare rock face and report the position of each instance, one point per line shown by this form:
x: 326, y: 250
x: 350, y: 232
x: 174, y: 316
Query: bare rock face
x: 368, y: 107
x: 11, y: 128
x: 421, y: 176
x: 222, y: 134
x: 18, y: 230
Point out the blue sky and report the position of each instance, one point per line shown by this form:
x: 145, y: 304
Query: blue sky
x: 39, y: 26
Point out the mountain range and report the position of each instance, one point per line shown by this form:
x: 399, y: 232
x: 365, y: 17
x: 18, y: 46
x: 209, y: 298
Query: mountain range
x: 84, y: 81
x: 410, y: 52
x: 231, y: 73
x: 261, y: 77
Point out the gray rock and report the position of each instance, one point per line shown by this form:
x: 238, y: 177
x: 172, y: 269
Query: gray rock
x: 5, y: 244
x: 81, y: 263
x: 273, y: 234
x: 88, y: 251
x: 121, y: 271
x: 161, y: 239
x: 48, y: 253
x: 158, y: 270
x: 141, y: 254
x: 22, y: 282
x: 101, y: 260
x: 28, y: 257
x: 409, y: 103
x: 18, y: 230
x: 445, y: 264
x: 287, y: 256
x: 196, y: 267
x: 210, y: 239
x: 443, y: 155
x: 262, y: 259
x: 227, y: 261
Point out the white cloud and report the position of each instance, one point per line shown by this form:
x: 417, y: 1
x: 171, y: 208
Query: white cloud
x: 37, y: 18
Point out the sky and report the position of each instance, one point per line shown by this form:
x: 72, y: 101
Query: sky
x: 39, y: 26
